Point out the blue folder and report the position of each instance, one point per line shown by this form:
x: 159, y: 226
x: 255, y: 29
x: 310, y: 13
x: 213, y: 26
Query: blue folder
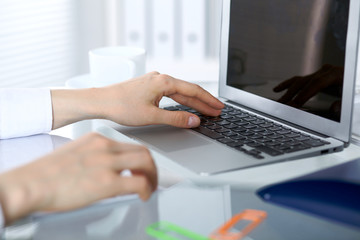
x: 333, y: 193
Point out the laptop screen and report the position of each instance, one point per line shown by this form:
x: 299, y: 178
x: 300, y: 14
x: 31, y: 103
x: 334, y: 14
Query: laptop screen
x: 290, y: 51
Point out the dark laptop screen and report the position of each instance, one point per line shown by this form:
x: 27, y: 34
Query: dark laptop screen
x: 290, y: 51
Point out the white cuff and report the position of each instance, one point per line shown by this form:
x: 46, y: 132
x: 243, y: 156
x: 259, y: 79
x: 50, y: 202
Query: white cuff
x: 24, y: 112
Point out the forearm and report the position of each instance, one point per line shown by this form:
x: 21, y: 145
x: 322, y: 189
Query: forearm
x: 71, y: 106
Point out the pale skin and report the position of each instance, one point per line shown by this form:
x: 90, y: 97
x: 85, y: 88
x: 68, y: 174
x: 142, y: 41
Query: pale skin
x: 88, y: 169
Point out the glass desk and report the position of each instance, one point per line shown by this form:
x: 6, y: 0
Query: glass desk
x: 198, y: 209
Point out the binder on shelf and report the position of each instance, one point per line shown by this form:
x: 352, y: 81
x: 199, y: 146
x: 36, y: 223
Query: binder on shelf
x: 194, y: 29
x: 163, y: 28
x: 134, y: 27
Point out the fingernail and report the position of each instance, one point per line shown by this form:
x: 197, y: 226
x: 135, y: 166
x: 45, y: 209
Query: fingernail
x: 193, y: 121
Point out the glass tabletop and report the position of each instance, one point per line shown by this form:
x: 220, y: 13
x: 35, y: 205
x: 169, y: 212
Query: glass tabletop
x: 184, y: 211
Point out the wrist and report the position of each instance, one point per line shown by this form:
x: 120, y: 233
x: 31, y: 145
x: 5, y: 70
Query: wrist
x: 106, y: 103
x: 74, y: 105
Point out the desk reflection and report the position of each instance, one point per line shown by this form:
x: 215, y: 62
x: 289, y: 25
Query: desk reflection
x: 15, y: 152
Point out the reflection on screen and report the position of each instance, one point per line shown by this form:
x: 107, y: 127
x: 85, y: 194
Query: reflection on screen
x: 290, y: 51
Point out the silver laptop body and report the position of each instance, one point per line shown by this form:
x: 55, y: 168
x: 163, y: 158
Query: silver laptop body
x: 265, y: 43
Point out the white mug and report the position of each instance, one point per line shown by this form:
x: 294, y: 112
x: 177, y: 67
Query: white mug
x: 109, y: 65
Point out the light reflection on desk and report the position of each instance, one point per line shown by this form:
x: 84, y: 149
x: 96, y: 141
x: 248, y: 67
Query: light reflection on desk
x: 15, y: 152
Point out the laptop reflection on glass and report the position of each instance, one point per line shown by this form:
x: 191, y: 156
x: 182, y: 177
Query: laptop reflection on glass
x: 287, y: 74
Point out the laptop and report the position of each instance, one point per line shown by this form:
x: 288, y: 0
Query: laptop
x: 287, y: 74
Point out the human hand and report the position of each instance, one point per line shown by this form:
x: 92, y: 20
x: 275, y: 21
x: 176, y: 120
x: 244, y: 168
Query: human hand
x: 76, y: 175
x: 135, y: 102
x: 301, y: 89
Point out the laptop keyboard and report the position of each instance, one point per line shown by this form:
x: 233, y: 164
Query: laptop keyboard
x: 250, y: 133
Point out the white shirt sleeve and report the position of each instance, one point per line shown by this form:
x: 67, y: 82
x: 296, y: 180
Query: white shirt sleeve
x: 24, y: 112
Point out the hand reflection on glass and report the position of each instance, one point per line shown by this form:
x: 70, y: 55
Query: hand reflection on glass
x: 300, y: 89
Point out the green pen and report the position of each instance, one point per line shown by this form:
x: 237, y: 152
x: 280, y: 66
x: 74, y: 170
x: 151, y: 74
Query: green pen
x: 168, y: 231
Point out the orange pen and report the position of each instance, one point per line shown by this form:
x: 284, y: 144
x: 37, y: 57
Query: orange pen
x: 254, y: 216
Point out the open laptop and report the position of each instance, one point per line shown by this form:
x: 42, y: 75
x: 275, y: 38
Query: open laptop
x: 287, y: 74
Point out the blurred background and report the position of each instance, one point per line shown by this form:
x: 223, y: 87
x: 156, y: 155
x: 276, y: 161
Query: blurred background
x: 43, y: 43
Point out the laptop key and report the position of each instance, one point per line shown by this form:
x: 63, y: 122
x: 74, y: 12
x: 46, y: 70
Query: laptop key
x: 207, y: 132
x: 267, y: 150
x: 275, y: 128
x: 213, y: 127
x: 297, y: 148
x: 247, y: 133
x: 250, y: 126
x: 266, y: 125
x: 254, y: 144
x: 283, y: 131
x: 264, y: 140
x: 283, y: 147
x: 234, y: 112
x: 296, y: 143
x: 227, y: 109
x: 230, y: 134
x: 302, y: 138
x: 222, y: 130
x: 285, y: 140
x: 275, y: 136
x: 226, y: 116
x: 314, y: 143
x: 267, y: 133
x: 238, y: 137
x: 216, y: 119
x: 248, y: 141
x: 272, y: 143
x: 234, y: 119
x: 223, y: 122
x: 254, y: 152
x: 250, y: 118
x: 230, y: 126
x: 239, y: 129
x: 293, y: 135
x: 225, y: 140
x: 242, y: 115
x: 207, y: 124
x: 258, y: 129
x: 256, y: 136
x: 241, y: 123
x: 258, y: 122
x: 235, y: 144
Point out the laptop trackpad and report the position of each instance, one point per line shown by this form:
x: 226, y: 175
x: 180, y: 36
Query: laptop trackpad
x: 167, y: 138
